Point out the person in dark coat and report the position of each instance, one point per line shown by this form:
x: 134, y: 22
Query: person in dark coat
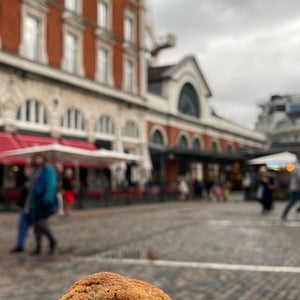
x: 266, y: 186
x: 42, y: 201
x: 24, y: 217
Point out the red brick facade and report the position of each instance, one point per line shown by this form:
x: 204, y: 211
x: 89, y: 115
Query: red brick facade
x: 11, y: 29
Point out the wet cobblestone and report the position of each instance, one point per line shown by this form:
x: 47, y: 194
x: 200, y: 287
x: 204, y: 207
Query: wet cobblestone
x: 143, y: 241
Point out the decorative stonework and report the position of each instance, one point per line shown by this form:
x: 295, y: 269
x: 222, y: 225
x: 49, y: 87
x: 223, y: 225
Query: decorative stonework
x: 39, y: 5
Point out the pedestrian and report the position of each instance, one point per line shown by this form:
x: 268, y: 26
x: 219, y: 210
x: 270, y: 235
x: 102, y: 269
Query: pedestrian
x: 183, y: 189
x: 69, y: 194
x: 42, y: 204
x: 59, y: 194
x: 295, y: 191
x: 266, y: 186
x: 24, y: 220
x: 247, y: 186
x: 226, y: 190
x: 198, y: 188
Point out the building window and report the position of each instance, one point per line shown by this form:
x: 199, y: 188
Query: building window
x: 32, y: 112
x: 32, y: 38
x: 129, y: 75
x: 103, y: 63
x: 229, y: 148
x: 196, y: 144
x: 188, y: 101
x: 73, y: 120
x: 129, y: 29
x: 103, y: 14
x: 71, y: 53
x: 157, y: 138
x: 105, y: 125
x: 183, y: 142
x: 131, y: 130
x: 214, y: 146
x: 72, y: 5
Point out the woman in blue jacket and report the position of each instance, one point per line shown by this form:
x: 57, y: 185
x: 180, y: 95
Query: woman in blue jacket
x: 42, y: 201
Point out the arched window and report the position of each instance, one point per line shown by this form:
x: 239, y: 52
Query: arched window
x: 131, y: 130
x: 229, y: 148
x: 214, y: 146
x: 32, y: 111
x: 188, y: 101
x: 183, y: 142
x: 105, y: 125
x: 196, y: 144
x: 73, y: 120
x: 157, y: 138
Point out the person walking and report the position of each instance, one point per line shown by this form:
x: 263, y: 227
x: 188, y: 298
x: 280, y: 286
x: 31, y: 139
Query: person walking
x: 266, y: 186
x: 295, y: 191
x: 43, y: 202
x: 59, y: 194
x: 183, y: 189
x: 24, y: 221
x: 69, y: 194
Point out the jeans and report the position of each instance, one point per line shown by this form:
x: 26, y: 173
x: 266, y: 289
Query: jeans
x: 292, y: 201
x: 23, y: 226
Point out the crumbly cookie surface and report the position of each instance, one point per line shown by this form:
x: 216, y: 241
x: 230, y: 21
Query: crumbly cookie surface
x: 112, y: 286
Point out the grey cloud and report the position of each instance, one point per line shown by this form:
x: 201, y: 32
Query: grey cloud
x: 247, y: 49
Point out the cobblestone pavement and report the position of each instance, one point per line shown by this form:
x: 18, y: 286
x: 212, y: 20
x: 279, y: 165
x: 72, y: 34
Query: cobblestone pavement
x: 192, y: 250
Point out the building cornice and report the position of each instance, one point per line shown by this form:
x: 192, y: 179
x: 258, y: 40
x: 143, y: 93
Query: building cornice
x: 70, y: 79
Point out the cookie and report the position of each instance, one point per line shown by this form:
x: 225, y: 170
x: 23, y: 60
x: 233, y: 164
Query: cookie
x: 112, y: 286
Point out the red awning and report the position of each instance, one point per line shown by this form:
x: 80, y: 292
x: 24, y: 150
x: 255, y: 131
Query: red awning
x: 78, y: 144
x: 7, y: 143
x: 34, y: 140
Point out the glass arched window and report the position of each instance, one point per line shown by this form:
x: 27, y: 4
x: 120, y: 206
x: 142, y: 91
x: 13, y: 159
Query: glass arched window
x: 214, y: 146
x: 183, y: 142
x: 73, y: 120
x: 196, y: 144
x: 105, y: 125
x: 229, y: 148
x: 157, y: 138
x: 32, y: 111
x: 131, y: 130
x: 188, y: 101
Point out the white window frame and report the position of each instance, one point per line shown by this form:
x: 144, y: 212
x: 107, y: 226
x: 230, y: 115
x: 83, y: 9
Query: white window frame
x: 77, y: 8
x: 105, y: 128
x: 40, y: 15
x: 36, y: 108
x: 129, y: 18
x: 68, y: 30
x: 104, y: 14
x: 103, y: 63
x: 109, y: 65
x: 71, y: 48
x: 131, y: 130
x: 72, y: 122
x: 129, y: 82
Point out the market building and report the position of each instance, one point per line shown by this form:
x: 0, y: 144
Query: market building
x: 76, y: 72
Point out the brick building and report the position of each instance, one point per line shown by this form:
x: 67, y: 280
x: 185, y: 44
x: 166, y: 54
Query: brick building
x: 75, y: 72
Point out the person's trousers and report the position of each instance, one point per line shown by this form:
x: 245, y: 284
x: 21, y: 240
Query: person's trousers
x: 292, y: 201
x: 41, y: 227
x: 23, y: 226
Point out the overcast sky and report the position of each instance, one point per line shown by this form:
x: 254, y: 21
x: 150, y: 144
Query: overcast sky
x: 247, y: 50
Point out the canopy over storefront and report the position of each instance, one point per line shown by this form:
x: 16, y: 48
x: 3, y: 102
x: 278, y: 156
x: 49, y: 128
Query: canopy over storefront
x: 57, y: 152
x: 279, y: 160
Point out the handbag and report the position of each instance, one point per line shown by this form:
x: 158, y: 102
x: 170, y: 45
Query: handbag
x: 260, y: 192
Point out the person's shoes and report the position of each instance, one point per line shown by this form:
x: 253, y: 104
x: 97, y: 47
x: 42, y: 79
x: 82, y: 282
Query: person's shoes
x: 283, y: 219
x: 53, y: 246
x: 35, y: 252
x: 16, y: 250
